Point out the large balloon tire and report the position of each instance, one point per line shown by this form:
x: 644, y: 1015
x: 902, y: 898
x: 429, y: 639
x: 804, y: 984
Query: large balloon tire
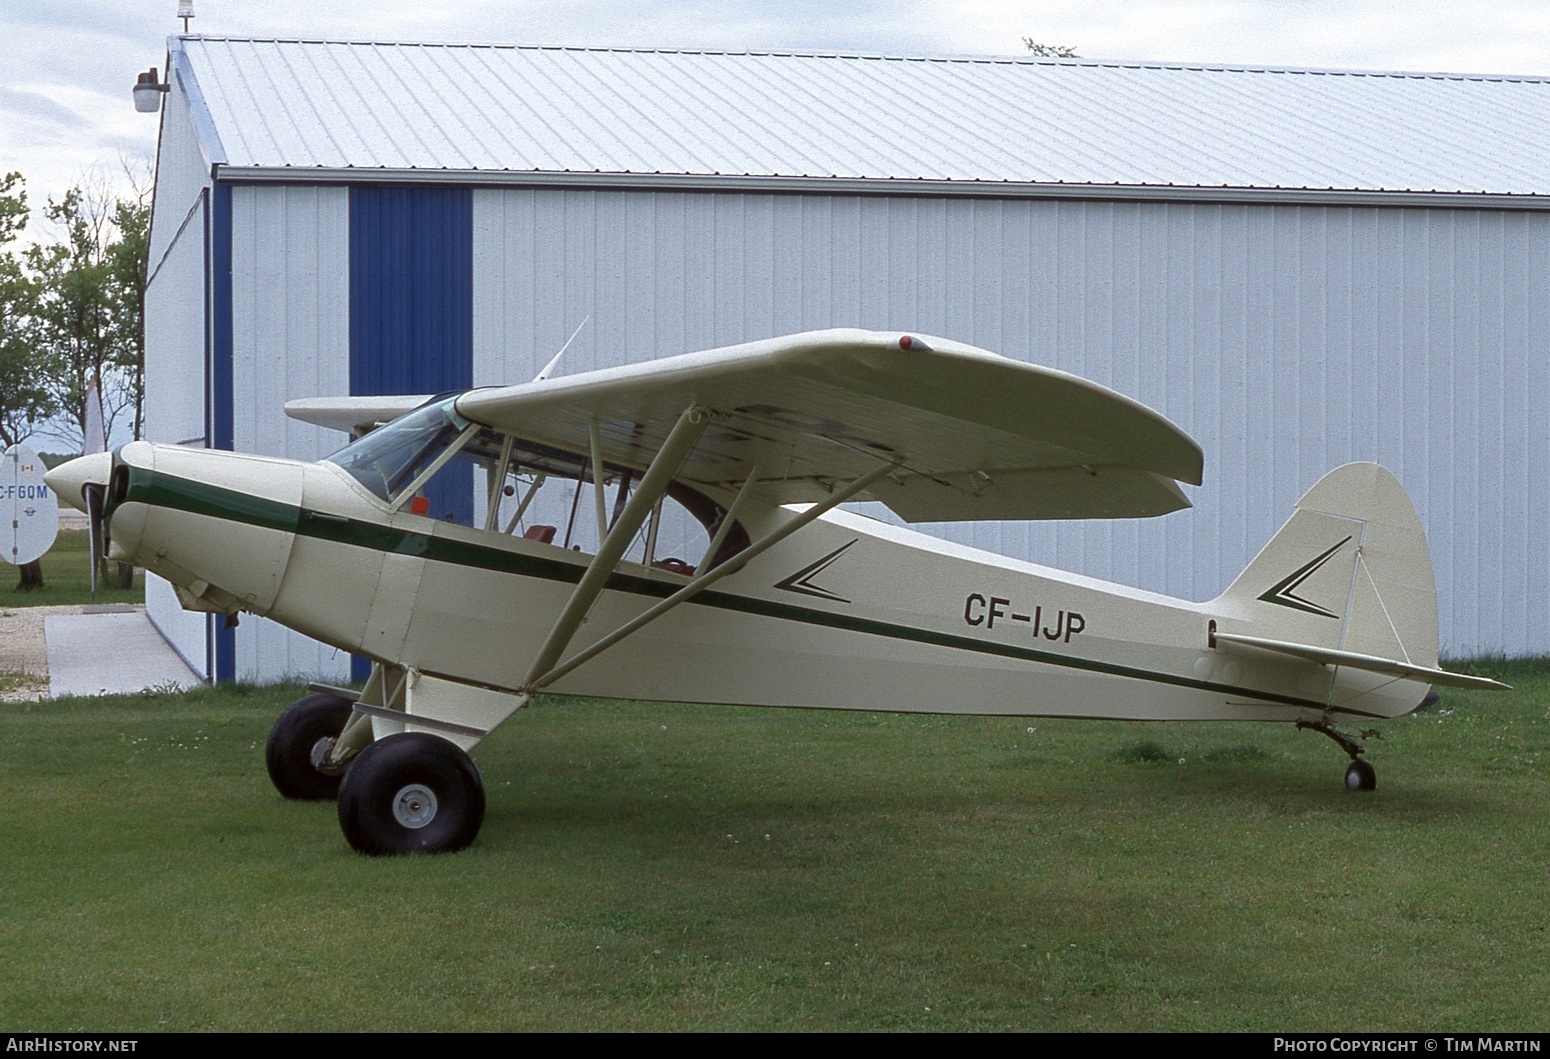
x: 307, y: 727
x: 411, y: 793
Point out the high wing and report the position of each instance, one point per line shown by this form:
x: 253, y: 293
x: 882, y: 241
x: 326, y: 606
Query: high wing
x: 353, y: 415
x: 971, y: 435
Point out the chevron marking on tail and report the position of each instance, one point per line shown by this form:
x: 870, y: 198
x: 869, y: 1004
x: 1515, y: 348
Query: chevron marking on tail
x: 1282, y: 592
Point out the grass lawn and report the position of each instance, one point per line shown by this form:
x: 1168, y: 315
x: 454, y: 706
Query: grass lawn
x: 650, y: 866
x: 66, y: 578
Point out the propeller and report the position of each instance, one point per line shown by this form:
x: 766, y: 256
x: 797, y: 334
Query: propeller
x: 94, y: 495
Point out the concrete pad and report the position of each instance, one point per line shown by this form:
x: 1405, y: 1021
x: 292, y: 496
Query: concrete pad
x: 109, y: 654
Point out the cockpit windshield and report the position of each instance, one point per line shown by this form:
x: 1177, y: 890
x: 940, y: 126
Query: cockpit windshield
x: 388, y: 460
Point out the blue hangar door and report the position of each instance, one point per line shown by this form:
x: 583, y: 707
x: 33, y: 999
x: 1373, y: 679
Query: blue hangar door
x: 412, y: 306
x: 412, y: 310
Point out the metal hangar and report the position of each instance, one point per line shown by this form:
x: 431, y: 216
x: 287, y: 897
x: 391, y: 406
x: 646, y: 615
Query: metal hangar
x: 1299, y: 267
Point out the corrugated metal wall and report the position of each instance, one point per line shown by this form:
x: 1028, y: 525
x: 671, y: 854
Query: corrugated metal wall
x: 175, y: 338
x: 290, y: 313
x: 175, y: 395
x: 1287, y: 340
x: 290, y: 338
x: 175, y: 330
x: 181, y: 175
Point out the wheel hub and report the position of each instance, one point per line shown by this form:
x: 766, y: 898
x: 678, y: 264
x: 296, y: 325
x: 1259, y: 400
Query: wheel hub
x: 414, y: 806
x: 320, y: 751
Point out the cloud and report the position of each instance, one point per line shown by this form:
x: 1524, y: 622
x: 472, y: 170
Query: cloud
x: 38, y: 108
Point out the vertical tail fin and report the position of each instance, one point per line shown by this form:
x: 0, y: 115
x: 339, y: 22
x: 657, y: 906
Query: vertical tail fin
x: 1349, y: 571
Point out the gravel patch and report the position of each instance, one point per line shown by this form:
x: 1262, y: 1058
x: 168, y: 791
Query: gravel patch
x: 24, y: 652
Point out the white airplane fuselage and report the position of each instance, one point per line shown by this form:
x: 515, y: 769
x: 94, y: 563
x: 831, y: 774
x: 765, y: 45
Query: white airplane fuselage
x: 848, y: 613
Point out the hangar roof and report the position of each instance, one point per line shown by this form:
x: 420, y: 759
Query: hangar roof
x: 334, y: 110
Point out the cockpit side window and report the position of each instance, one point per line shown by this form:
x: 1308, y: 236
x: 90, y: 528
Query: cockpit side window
x: 549, y: 496
x: 390, y: 458
x: 504, y: 484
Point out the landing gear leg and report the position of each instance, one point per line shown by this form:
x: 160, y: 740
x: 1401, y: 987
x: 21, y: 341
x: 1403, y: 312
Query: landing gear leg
x: 298, y: 747
x: 1360, y: 775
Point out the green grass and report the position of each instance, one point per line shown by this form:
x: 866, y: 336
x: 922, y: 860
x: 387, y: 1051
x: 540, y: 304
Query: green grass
x: 66, y: 578
x: 648, y: 866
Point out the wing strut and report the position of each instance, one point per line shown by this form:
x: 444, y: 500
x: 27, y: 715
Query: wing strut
x: 664, y: 466
x: 492, y: 507
x: 728, y: 518
x: 541, y: 678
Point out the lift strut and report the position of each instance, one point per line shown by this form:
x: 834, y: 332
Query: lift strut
x: 653, y: 486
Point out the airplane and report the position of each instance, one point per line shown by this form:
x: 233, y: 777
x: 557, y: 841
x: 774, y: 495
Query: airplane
x: 431, y: 544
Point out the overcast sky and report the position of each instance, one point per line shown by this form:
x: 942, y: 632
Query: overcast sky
x: 67, y: 68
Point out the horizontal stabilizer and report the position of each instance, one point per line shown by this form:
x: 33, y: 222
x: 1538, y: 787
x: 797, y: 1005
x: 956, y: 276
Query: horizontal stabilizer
x: 1370, y: 663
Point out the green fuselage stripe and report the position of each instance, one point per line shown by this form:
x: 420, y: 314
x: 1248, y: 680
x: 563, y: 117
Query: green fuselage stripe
x: 164, y: 490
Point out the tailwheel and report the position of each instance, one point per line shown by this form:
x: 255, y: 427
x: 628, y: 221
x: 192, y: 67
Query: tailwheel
x: 299, y: 744
x: 1361, y: 776
x: 411, y: 793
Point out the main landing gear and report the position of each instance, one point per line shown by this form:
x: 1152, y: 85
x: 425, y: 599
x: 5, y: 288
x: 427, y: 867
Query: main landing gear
x: 406, y: 793
x: 1360, y: 775
x: 411, y: 793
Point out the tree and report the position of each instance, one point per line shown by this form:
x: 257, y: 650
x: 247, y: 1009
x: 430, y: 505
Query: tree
x: 80, y: 310
x: 128, y: 261
x: 1050, y: 51
x: 25, y: 397
x: 89, y: 312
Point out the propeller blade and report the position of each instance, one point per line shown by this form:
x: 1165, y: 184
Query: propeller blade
x: 93, y: 495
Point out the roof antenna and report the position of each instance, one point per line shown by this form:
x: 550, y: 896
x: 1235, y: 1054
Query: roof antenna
x: 185, y: 12
x: 541, y: 376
